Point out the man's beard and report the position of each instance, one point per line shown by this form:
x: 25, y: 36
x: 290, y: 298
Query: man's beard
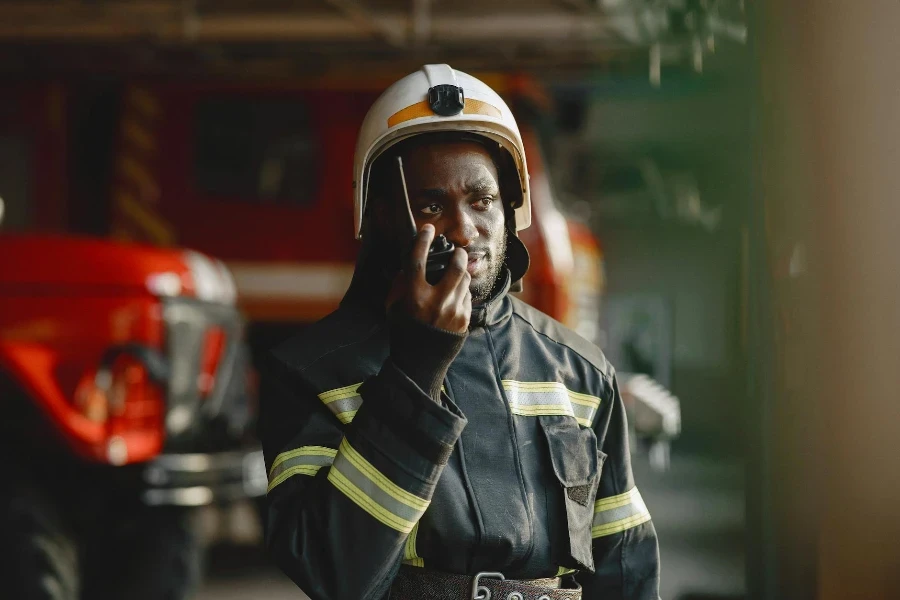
x: 484, y: 287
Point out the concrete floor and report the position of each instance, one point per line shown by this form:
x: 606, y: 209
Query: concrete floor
x: 697, y: 506
x: 698, y: 511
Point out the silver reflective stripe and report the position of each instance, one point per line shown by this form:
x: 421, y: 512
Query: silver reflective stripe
x: 535, y: 398
x: 369, y: 489
x: 618, y: 513
x: 306, y: 460
x: 343, y: 402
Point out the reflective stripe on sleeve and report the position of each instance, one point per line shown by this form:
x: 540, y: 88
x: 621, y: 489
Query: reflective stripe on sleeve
x: 409, y: 550
x: 535, y: 398
x: 369, y: 489
x: 343, y: 402
x: 306, y: 460
x: 618, y: 513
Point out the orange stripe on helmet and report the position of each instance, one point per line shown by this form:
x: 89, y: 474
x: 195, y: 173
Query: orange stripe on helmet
x: 477, y: 107
x: 422, y: 109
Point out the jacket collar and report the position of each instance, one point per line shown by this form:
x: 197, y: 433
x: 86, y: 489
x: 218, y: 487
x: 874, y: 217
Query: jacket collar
x: 497, y: 308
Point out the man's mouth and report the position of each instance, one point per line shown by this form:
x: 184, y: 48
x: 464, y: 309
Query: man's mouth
x: 475, y: 260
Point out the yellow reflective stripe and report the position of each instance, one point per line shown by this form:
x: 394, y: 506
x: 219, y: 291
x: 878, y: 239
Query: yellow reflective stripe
x: 543, y: 409
x: 310, y: 470
x: 369, y: 489
x: 343, y: 402
x: 614, y: 501
x: 551, y: 386
x: 533, y: 386
x: 583, y: 399
x: 358, y: 497
x: 549, y: 410
x: 348, y: 391
x: 564, y: 571
x: 387, y: 486
x: 306, y: 460
x: 346, y: 417
x: 340, y: 393
x: 409, y: 550
x: 302, y: 451
x: 536, y: 398
x: 615, y: 514
x: 619, y: 526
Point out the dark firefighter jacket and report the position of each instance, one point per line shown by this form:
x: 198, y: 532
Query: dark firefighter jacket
x: 522, y: 467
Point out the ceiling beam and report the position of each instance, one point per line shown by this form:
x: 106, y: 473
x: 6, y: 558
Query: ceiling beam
x: 581, y: 6
x: 363, y: 19
x: 166, y: 22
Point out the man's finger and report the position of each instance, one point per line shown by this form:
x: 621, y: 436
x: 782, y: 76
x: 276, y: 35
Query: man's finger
x: 467, y: 305
x: 464, y: 309
x: 456, y: 307
x: 456, y: 297
x: 456, y: 271
x: 419, y: 254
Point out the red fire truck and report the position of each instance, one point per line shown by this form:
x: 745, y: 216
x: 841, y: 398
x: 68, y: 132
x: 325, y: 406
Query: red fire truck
x: 258, y: 175
x: 123, y: 388
x: 255, y: 174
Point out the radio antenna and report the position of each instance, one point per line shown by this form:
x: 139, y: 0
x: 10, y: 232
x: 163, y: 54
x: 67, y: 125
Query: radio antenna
x: 412, y: 219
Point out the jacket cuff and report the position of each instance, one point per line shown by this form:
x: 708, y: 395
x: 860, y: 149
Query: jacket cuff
x: 404, y: 423
x: 424, y: 353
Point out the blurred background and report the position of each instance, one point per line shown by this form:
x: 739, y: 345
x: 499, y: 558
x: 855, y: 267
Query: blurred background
x: 711, y: 185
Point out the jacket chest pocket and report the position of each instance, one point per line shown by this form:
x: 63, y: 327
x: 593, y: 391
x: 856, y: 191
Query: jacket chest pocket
x: 577, y: 463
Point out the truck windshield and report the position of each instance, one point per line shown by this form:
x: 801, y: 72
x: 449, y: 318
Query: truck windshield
x: 256, y: 150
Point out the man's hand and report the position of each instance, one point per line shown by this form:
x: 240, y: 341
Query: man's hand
x: 447, y: 305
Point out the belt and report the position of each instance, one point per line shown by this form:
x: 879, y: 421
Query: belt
x: 415, y: 583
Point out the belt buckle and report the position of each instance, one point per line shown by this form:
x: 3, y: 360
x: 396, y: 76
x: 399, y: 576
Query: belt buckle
x: 480, y: 592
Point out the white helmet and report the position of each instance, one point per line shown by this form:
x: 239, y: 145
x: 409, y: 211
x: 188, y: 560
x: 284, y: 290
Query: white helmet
x: 436, y: 98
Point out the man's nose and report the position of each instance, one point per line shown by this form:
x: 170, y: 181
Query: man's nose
x: 461, y: 229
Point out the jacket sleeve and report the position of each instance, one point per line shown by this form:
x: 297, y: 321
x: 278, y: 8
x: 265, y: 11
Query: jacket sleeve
x: 344, y: 498
x: 626, y: 553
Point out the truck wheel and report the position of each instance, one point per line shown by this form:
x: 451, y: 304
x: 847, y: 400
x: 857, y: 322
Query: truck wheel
x: 167, y: 560
x: 155, y: 556
x: 40, y: 556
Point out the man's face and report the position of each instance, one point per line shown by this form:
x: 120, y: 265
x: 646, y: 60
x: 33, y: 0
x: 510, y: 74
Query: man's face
x: 455, y: 187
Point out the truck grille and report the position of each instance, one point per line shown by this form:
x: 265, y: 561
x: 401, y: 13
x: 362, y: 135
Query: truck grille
x: 200, y: 415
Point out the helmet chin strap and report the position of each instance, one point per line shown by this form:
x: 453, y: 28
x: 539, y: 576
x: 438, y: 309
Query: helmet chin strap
x: 382, y: 253
x: 517, y: 258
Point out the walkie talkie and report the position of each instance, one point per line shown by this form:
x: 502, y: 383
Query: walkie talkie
x: 441, y: 248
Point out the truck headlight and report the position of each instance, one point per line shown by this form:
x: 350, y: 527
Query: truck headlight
x: 212, y: 279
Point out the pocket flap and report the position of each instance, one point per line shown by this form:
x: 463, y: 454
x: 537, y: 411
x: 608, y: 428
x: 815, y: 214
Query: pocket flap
x: 573, y: 450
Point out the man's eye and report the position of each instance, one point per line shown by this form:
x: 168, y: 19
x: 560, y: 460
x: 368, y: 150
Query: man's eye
x: 484, y: 202
x: 432, y: 209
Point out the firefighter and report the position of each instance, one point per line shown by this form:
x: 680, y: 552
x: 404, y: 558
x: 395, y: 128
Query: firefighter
x: 448, y: 441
